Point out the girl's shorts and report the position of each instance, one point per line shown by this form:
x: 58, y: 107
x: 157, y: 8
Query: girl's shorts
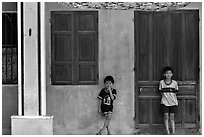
x: 107, y: 109
x: 169, y: 109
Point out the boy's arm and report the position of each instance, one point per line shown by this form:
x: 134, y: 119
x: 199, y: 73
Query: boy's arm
x: 176, y: 88
x: 160, y: 87
x: 111, y: 94
x: 99, y: 104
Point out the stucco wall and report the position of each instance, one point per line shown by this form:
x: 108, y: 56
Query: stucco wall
x: 9, y: 106
x: 75, y: 107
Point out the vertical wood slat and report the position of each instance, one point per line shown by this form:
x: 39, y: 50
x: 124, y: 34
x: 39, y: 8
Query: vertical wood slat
x: 192, y: 39
x: 76, y: 61
x: 150, y: 111
x: 143, y: 48
x: 158, y: 46
x: 168, y: 41
x: 184, y: 111
x: 150, y: 27
x: 174, y: 49
x: 183, y: 45
x: 73, y: 49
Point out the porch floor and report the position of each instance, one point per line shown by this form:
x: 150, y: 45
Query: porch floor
x: 146, y: 131
x: 162, y: 131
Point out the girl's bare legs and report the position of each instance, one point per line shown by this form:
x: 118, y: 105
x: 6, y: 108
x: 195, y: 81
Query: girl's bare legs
x: 107, y: 121
x: 172, y: 122
x: 166, y: 122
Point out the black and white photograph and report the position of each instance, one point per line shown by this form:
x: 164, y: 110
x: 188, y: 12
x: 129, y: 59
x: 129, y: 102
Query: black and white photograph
x: 101, y: 68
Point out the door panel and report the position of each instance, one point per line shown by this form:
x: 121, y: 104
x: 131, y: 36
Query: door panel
x: 166, y: 39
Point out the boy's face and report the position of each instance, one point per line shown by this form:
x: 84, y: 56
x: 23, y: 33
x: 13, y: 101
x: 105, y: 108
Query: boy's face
x: 168, y: 74
x: 108, y: 84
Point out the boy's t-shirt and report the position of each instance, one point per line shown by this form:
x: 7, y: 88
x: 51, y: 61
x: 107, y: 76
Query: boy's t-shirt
x: 104, y: 95
x: 168, y: 93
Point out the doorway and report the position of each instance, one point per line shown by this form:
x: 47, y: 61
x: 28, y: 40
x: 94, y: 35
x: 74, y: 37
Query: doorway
x: 166, y: 38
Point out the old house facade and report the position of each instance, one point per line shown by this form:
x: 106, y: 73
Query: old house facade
x: 65, y: 52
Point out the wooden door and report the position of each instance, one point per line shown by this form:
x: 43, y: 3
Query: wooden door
x: 166, y: 39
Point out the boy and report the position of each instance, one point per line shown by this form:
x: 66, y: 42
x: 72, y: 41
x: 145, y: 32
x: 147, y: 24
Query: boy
x: 169, y: 102
x: 106, y: 98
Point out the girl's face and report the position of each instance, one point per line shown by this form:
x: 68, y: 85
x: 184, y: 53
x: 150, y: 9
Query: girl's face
x: 168, y: 74
x: 108, y: 84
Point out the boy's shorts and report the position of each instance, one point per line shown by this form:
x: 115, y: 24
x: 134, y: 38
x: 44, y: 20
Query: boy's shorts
x: 169, y: 109
x: 106, y: 109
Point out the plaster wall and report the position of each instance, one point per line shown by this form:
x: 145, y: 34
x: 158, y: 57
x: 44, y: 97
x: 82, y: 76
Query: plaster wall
x: 74, y: 107
x: 9, y: 106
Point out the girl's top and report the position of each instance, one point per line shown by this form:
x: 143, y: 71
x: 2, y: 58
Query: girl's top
x: 168, y: 92
x: 104, y: 95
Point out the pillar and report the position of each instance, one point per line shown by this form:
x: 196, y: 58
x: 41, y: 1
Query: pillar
x: 32, y: 119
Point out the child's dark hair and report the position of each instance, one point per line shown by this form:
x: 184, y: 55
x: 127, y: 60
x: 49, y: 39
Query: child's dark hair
x: 109, y: 78
x: 168, y: 68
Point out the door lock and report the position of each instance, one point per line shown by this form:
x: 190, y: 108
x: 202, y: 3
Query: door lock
x: 140, y: 89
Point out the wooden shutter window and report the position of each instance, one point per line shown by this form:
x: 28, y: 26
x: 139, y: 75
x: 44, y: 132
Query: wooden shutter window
x: 86, y: 43
x: 74, y: 47
x: 62, y: 47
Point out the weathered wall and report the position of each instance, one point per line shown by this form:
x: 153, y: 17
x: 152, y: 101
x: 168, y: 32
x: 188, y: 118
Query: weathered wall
x: 75, y: 107
x: 9, y: 106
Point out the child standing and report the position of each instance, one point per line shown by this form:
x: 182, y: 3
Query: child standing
x: 169, y: 102
x: 106, y: 98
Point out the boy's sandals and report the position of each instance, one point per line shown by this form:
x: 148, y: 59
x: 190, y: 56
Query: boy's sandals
x: 99, y: 133
x: 109, y: 133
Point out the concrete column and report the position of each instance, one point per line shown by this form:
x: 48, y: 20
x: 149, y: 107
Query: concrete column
x: 31, y: 84
x: 31, y: 123
x: 19, y: 62
x: 43, y: 59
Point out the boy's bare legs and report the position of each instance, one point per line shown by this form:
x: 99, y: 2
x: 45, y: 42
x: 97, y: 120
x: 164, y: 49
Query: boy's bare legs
x: 106, y: 123
x: 172, y: 122
x: 108, y: 131
x: 166, y: 122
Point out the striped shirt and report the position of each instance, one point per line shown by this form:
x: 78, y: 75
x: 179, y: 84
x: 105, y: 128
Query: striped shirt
x: 168, y: 92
